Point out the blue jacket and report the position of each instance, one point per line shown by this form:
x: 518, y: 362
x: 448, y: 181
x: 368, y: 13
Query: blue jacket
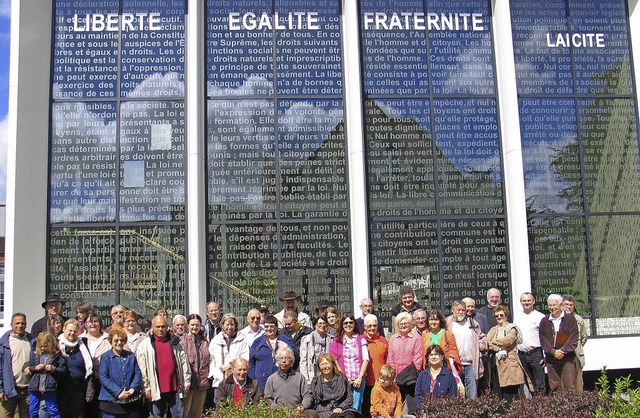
x: 446, y: 386
x: 262, y: 362
x: 118, y: 373
x: 7, y: 382
x: 50, y: 379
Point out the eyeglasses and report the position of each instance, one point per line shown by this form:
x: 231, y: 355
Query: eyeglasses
x: 253, y: 318
x: 498, y: 316
x: 404, y: 324
x: 119, y: 340
x: 371, y: 326
x: 348, y: 323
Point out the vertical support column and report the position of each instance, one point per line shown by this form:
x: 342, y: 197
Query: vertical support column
x: 516, y: 211
x: 27, y: 159
x: 355, y: 153
x: 196, y: 115
x: 634, y: 22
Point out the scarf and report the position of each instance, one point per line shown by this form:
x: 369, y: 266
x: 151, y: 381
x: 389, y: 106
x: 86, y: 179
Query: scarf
x: 88, y: 361
x: 320, y: 344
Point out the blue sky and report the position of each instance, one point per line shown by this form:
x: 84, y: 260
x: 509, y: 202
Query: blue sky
x: 5, y: 11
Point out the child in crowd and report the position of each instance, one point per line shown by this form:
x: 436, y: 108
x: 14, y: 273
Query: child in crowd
x: 386, y: 401
x: 47, y: 367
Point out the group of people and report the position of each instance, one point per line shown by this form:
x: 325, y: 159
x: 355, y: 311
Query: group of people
x: 324, y: 365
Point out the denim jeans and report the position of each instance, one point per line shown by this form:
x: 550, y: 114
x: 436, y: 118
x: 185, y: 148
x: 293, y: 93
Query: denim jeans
x: 470, y: 384
x: 171, y: 401
x: 50, y: 398
x: 358, y: 394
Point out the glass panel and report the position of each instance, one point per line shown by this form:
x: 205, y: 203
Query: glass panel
x: 82, y: 262
x: 557, y: 250
x: 85, y: 49
x: 315, y: 263
x: 308, y: 48
x: 474, y: 259
x: 152, y: 269
x: 311, y: 144
x: 470, y: 176
x: 239, y: 48
x: 83, y: 162
x: 609, y: 136
x: 153, y: 161
x: 540, y: 69
x: 601, y: 48
x: 461, y: 48
x: 152, y: 48
x: 615, y: 248
x: 241, y: 160
x: 400, y: 157
x: 550, y: 153
x: 243, y: 265
x: 393, y: 49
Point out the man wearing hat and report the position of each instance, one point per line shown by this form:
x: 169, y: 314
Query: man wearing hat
x: 53, y: 306
x: 290, y: 302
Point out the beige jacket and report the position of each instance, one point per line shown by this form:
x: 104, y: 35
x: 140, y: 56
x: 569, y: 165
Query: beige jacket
x: 146, y: 356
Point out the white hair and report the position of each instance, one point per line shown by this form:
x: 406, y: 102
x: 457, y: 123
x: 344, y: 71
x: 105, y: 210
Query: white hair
x: 556, y: 297
x: 370, y: 318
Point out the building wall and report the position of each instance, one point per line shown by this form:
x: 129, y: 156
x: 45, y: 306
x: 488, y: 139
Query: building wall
x: 399, y: 199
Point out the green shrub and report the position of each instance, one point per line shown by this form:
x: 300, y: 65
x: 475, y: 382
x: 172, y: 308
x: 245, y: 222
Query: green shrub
x: 622, y: 402
x: 261, y: 409
x: 486, y: 406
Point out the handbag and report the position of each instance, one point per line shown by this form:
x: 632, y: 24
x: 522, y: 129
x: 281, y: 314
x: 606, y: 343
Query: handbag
x: 408, y: 376
x: 135, y: 398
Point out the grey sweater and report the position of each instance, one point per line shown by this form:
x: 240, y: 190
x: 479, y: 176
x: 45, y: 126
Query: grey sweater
x: 292, y: 391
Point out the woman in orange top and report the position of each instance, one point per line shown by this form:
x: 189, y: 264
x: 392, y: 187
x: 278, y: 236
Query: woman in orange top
x: 438, y: 334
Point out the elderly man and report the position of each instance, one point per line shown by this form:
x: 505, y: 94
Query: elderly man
x: 366, y: 308
x: 179, y: 325
x: 53, y: 305
x: 15, y: 352
x: 471, y: 341
x: 238, y: 389
x: 290, y: 301
x: 378, y: 347
x: 254, y: 329
x: 212, y: 325
x: 470, y: 303
x: 559, y: 338
x: 288, y: 387
x: 166, y: 374
x: 568, y: 306
x: 407, y: 304
x: 530, y: 351
x: 117, y: 317
x: 420, y: 323
x: 494, y: 297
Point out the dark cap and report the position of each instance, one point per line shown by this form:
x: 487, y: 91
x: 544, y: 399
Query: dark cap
x: 290, y: 296
x: 262, y: 308
x: 52, y: 298
x: 324, y: 304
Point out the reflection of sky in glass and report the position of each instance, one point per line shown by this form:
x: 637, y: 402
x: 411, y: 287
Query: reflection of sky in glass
x: 548, y: 126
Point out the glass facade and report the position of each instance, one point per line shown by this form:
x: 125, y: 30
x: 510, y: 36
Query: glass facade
x: 580, y: 146
x: 278, y: 151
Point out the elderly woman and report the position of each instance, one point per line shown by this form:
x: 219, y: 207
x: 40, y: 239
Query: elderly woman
x: 197, y: 351
x: 436, y: 381
x: 330, y: 389
x: 121, y: 380
x: 505, y: 373
x: 313, y: 345
x: 405, y: 355
x: 349, y: 348
x: 75, y: 389
x: 438, y: 334
x: 224, y: 347
x: 378, y: 347
x: 134, y: 335
x: 262, y: 354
